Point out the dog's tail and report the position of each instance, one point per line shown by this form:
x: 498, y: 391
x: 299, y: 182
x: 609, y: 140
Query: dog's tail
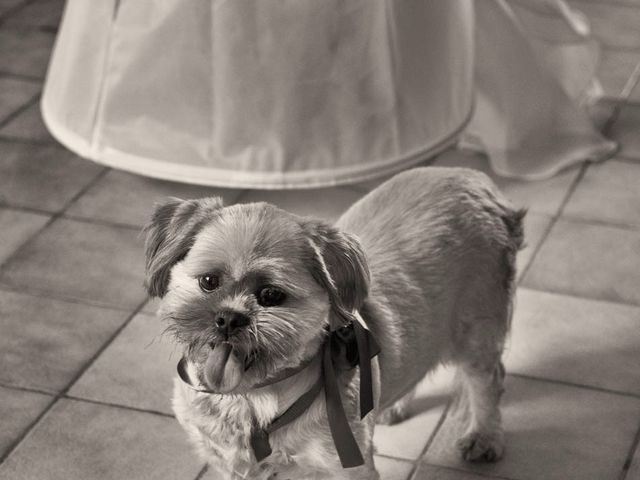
x: 513, y: 220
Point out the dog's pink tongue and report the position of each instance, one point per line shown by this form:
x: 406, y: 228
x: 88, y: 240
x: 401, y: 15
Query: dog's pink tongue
x: 223, y: 370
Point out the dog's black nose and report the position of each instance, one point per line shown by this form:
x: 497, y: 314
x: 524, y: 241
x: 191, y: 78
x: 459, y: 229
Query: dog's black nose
x: 229, y: 321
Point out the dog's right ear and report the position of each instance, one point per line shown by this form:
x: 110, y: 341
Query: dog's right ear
x: 170, y: 235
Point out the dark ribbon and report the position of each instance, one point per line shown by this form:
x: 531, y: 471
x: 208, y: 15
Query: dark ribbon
x: 345, y: 347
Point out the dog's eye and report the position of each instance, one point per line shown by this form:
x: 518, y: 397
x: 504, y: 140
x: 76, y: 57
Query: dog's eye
x: 208, y: 282
x: 270, y: 296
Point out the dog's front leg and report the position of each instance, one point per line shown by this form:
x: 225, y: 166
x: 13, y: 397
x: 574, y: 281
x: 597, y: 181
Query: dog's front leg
x: 365, y: 472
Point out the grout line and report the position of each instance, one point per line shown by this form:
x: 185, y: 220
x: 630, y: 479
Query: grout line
x: 11, y: 448
x: 622, y: 3
x: 86, y: 400
x: 554, y: 220
x: 34, y: 292
x: 29, y: 141
x: 66, y: 216
x: 570, y: 293
x: 106, y: 223
x: 630, y: 455
x: 472, y: 472
x: 626, y: 158
x: 574, y: 385
x: 104, y: 346
x: 579, y: 297
x: 32, y: 27
x: 21, y: 76
x: 27, y: 389
x: 634, y: 227
x: 28, y: 104
x: 202, y: 472
x: 443, y: 417
x: 391, y: 457
x: 631, y: 102
x: 117, y: 405
x: 632, y: 81
x: 54, y: 217
x: 624, y: 95
x: 74, y: 379
x: 18, y: 208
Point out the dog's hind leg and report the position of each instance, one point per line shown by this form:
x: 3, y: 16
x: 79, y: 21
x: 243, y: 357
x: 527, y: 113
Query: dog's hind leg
x: 480, y: 387
x: 397, y: 412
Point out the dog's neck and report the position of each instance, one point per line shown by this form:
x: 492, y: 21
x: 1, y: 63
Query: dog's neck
x: 285, y: 392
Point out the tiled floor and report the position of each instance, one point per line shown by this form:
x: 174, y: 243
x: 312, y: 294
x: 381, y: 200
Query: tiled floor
x: 85, y: 373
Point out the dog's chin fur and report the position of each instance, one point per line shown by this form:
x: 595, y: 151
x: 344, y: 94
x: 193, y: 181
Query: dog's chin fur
x: 431, y: 271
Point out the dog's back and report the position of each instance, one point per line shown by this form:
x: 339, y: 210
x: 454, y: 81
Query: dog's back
x: 441, y: 245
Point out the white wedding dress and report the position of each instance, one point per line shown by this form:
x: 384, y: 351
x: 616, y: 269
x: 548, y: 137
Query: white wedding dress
x: 307, y: 93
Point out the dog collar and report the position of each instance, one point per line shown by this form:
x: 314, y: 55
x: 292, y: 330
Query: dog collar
x: 346, y: 346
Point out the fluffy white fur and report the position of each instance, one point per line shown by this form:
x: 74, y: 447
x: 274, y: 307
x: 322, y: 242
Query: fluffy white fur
x: 427, y: 258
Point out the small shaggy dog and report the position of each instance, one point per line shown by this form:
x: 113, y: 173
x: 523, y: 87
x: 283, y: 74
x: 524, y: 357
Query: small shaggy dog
x: 425, y: 262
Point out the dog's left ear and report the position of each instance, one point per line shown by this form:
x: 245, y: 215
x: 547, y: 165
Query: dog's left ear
x: 171, y: 234
x: 339, y: 265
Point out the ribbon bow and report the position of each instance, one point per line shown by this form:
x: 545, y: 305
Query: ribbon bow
x: 345, y: 347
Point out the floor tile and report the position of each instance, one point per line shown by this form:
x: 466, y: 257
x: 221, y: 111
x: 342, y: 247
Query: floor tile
x: 25, y: 51
x: 535, y: 226
x: 151, y: 307
x: 431, y: 472
x: 392, y: 469
x: 78, y: 440
x: 595, y: 261
x: 18, y: 409
x: 635, y: 94
x: 552, y: 432
x: 408, y: 439
x: 125, y: 198
x: 28, y: 125
x: 15, y: 228
x: 41, y: 13
x: 369, y: 185
x: 87, y: 262
x: 608, y: 192
x: 575, y: 340
x: 326, y: 203
x: 601, y: 112
x: 626, y: 130
x: 615, y: 68
x: 45, y: 177
x: 45, y: 343
x: 14, y: 94
x: 614, y: 24
x: 543, y: 196
x: 136, y: 370
x: 7, y: 5
x: 634, y: 469
x: 389, y: 469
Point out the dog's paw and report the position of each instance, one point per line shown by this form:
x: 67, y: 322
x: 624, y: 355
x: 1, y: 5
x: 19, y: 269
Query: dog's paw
x: 481, y: 447
x: 392, y: 416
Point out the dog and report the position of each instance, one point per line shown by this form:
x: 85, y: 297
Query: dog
x: 427, y: 263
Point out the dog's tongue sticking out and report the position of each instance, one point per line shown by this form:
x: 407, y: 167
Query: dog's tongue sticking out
x: 223, y: 370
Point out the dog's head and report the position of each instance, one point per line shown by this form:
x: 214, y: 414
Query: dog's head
x: 248, y: 290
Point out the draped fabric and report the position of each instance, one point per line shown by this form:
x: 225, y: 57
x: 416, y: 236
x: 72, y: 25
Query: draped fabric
x: 301, y: 93
x: 535, y: 75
